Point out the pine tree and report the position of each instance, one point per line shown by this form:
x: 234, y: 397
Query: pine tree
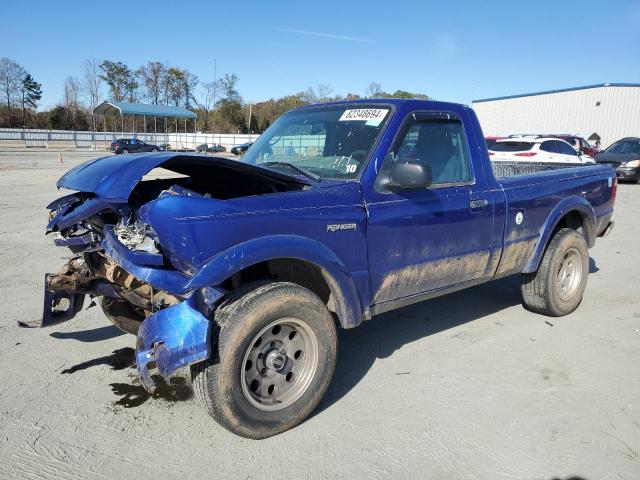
x: 31, y: 92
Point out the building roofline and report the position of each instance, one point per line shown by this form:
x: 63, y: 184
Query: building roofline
x: 546, y: 92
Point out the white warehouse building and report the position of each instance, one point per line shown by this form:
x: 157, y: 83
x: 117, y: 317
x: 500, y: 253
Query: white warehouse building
x: 604, y: 112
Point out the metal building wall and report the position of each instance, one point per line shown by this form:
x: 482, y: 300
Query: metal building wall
x: 576, y: 111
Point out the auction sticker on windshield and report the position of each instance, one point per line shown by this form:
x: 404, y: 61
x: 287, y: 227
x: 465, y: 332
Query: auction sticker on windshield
x: 373, y: 116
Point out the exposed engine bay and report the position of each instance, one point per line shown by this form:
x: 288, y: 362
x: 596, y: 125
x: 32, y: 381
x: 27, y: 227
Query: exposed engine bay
x: 82, y: 221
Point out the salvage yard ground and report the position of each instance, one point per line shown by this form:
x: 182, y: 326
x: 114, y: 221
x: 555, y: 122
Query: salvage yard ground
x: 468, y: 386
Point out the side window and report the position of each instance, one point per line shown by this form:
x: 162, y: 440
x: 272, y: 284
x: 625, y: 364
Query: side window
x: 616, y: 148
x: 566, y: 149
x: 440, y: 144
x: 549, y: 146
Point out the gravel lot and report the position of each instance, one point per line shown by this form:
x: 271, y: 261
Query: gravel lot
x: 468, y: 386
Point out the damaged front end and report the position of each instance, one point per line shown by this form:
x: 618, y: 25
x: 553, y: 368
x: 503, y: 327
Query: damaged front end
x: 118, y: 259
x: 122, y: 266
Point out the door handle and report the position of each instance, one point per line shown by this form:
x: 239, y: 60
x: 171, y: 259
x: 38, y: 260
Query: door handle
x: 478, y: 204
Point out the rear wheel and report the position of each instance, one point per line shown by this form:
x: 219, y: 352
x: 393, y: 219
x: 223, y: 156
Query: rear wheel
x: 125, y: 151
x: 556, y: 288
x: 276, y: 354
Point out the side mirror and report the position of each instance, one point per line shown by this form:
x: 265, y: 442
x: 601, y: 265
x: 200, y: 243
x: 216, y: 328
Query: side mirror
x: 406, y: 174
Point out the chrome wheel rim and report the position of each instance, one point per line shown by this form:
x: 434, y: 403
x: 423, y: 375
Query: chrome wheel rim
x: 569, y: 274
x: 279, y: 364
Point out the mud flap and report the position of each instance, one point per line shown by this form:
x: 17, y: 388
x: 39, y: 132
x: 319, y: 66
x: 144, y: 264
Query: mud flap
x: 58, y: 307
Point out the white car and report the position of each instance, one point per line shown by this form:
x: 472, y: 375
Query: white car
x: 538, y: 149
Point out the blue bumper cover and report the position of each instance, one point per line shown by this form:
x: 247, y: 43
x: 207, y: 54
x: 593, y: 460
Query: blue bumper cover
x: 172, y: 338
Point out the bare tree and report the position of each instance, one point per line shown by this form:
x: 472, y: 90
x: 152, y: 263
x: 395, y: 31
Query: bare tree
x: 72, y: 91
x: 373, y: 90
x: 11, y: 76
x: 324, y: 92
x: 309, y: 95
x: 92, y: 81
x: 208, y: 101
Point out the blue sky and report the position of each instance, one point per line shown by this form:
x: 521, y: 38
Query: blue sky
x: 452, y: 51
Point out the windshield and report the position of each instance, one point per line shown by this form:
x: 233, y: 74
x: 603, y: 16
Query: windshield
x: 327, y: 141
x: 625, y: 146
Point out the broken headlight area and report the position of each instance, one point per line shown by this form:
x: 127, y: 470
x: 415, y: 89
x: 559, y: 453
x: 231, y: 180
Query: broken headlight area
x: 137, y: 237
x: 78, y: 238
x: 64, y: 204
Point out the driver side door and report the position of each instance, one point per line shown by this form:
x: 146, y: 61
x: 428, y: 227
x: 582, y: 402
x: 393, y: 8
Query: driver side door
x: 428, y: 239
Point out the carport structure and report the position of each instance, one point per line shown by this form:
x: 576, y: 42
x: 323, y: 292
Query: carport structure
x: 146, y: 111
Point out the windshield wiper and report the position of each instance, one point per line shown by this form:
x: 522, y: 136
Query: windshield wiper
x: 306, y: 173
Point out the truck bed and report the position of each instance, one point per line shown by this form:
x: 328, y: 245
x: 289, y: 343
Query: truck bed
x: 536, y: 195
x: 509, y: 168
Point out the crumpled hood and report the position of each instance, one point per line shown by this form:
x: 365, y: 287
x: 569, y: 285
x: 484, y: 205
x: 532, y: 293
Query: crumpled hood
x: 115, y: 176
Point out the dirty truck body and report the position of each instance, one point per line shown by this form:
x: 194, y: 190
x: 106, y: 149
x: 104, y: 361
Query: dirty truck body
x: 243, y: 269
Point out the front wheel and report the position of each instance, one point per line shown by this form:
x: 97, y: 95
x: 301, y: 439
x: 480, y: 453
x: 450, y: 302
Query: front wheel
x: 125, y: 151
x: 556, y: 288
x: 122, y: 314
x: 276, y: 354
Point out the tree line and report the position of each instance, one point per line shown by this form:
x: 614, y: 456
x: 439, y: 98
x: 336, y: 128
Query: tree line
x: 218, y: 103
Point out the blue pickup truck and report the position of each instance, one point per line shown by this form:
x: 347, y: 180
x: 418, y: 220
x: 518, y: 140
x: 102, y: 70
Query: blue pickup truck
x: 243, y: 270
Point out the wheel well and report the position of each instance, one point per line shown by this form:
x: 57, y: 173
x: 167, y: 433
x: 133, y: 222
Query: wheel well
x: 573, y: 220
x: 292, y: 270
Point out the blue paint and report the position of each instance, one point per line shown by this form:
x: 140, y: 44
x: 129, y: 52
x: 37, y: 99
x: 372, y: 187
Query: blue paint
x: 172, y: 338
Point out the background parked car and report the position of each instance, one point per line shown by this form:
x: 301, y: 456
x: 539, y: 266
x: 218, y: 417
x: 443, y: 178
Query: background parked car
x: 491, y: 141
x: 241, y: 149
x: 537, y: 149
x: 577, y: 142
x: 216, y: 147
x: 624, y: 157
x: 132, y: 145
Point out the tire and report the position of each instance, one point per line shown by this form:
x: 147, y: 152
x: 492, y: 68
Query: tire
x: 247, y: 385
x: 122, y: 314
x: 556, y: 288
x: 125, y: 151
x: 154, y: 149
